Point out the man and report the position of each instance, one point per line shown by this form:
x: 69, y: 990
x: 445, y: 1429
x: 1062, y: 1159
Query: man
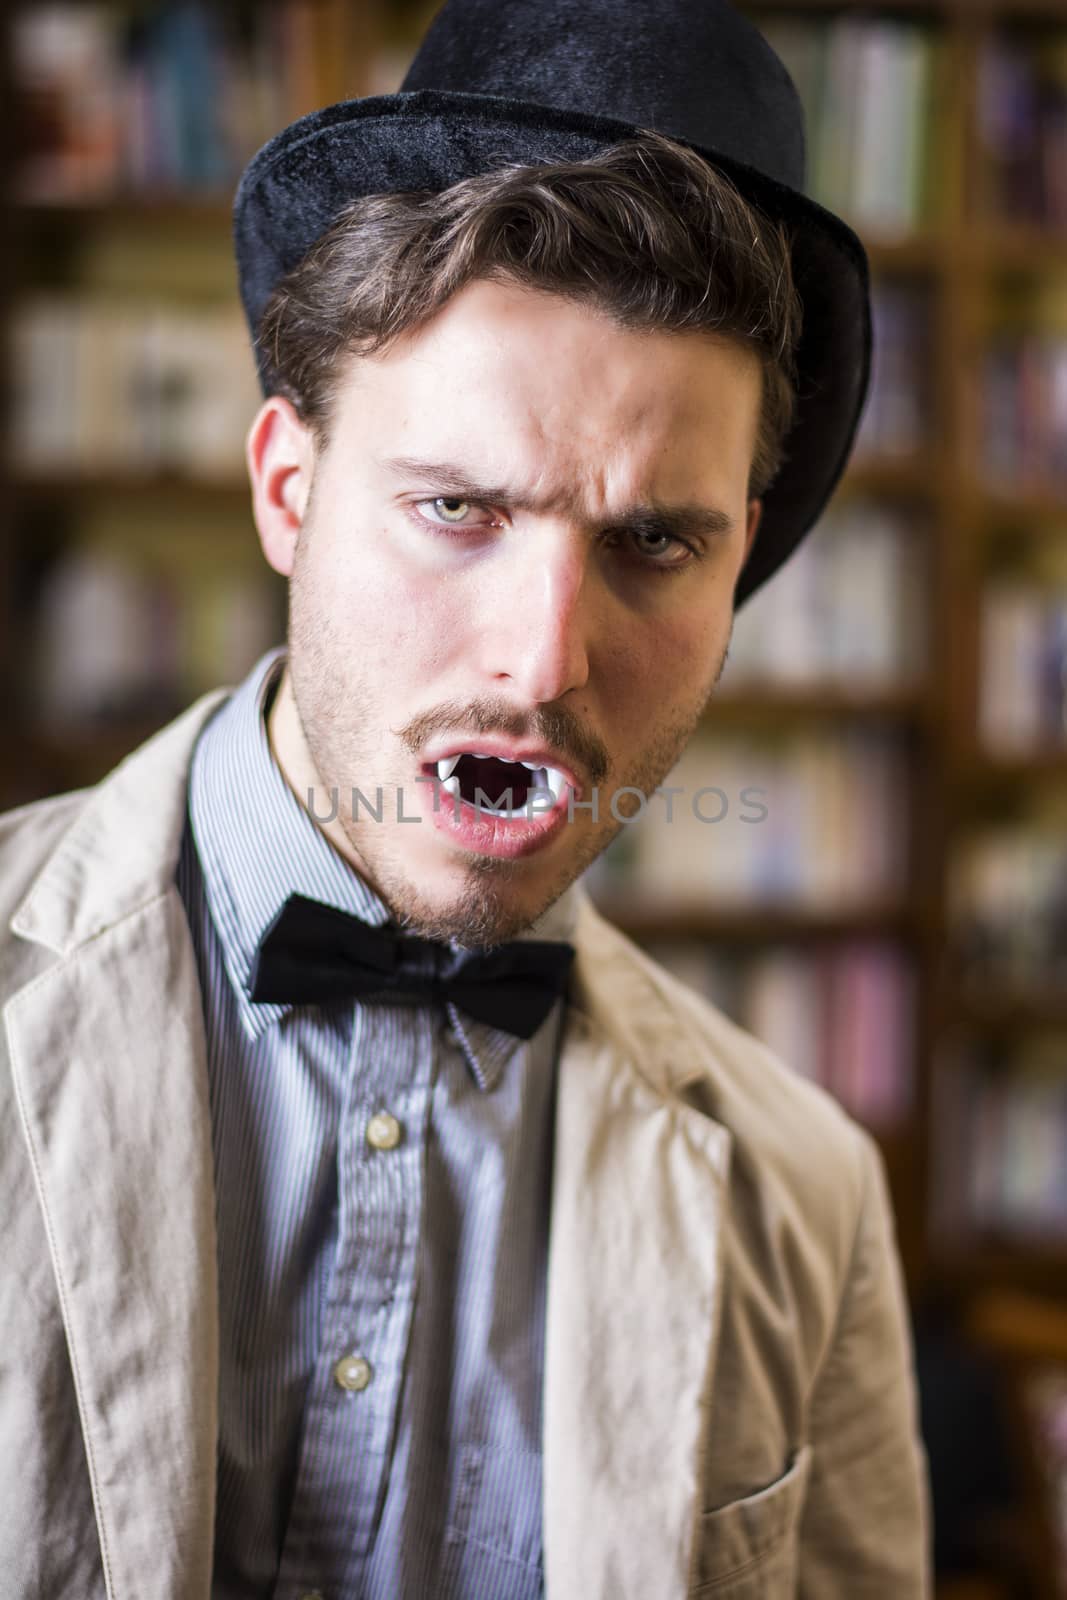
x: 358, y: 1242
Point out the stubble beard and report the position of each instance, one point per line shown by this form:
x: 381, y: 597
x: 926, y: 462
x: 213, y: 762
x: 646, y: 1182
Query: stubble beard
x: 482, y: 910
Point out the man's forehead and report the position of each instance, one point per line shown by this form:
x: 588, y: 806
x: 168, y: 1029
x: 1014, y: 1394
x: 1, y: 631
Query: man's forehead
x: 494, y: 325
x: 511, y: 416
x: 546, y: 407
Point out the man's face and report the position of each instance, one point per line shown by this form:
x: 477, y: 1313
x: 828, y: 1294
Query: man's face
x: 483, y: 565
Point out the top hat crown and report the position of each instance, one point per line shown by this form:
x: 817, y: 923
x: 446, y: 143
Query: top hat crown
x: 699, y: 72
x: 529, y: 81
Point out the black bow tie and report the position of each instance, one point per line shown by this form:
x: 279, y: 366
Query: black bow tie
x: 314, y: 954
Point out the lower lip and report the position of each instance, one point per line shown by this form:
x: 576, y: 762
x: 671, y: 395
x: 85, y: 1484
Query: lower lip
x: 476, y: 829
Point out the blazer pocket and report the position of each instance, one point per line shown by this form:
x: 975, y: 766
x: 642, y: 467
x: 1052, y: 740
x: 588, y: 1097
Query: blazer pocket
x: 749, y: 1547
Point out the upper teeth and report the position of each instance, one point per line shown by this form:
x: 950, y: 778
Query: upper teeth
x: 544, y: 777
x: 549, y: 778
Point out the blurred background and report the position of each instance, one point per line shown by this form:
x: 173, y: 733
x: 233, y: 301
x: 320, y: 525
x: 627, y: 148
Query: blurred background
x: 896, y: 927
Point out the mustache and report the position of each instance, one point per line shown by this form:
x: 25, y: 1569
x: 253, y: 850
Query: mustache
x: 551, y: 725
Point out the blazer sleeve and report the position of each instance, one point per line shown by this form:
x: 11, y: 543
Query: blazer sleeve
x: 865, y: 1528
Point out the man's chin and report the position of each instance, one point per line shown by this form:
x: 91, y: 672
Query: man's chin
x: 482, y: 929
x: 483, y: 913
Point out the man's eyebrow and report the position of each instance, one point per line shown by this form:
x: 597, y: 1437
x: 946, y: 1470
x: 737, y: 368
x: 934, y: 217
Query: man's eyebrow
x: 651, y: 518
x: 451, y: 480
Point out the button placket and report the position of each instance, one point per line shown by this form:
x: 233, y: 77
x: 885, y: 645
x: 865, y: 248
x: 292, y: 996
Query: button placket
x: 367, y: 1310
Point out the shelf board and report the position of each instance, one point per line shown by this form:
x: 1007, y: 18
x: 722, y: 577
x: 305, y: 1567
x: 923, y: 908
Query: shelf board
x: 178, y: 208
x: 1027, y: 509
x: 1010, y: 246
x: 900, y: 1148
x: 922, y: 251
x: 771, y: 702
x: 935, y: 8
x: 945, y: 10
x: 1031, y: 1261
x: 757, y: 924
x: 984, y: 770
x: 121, y: 485
x: 912, y: 476
x: 1003, y: 1006
x: 1046, y: 10
x: 83, y: 754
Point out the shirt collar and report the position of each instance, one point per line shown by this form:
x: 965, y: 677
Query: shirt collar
x: 257, y: 845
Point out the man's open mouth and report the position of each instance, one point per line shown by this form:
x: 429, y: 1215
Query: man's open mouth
x: 499, y: 787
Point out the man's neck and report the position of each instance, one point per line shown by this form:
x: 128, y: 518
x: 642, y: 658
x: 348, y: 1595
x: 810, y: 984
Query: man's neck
x: 293, y: 759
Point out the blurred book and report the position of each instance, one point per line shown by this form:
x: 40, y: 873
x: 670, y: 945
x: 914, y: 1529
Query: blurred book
x: 1008, y: 907
x: 896, y: 419
x: 848, y: 609
x: 843, y: 1016
x: 1000, y: 1135
x: 125, y: 631
x: 865, y: 85
x: 1043, y: 1405
x: 814, y: 821
x: 1022, y: 127
x: 173, y: 99
x: 1023, y: 675
x: 68, y: 87
x: 101, y: 385
x: 1024, y: 398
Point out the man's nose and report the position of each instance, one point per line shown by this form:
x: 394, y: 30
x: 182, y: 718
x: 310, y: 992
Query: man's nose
x: 536, y: 630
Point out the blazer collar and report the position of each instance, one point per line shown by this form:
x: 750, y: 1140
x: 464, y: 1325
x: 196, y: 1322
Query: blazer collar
x: 122, y: 851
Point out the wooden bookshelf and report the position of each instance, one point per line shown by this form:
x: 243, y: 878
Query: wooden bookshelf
x: 1006, y: 1006
x: 192, y: 491
x: 954, y: 259
x: 745, y: 707
x: 1001, y: 772
x: 916, y: 477
x: 164, y: 210
x: 768, y: 924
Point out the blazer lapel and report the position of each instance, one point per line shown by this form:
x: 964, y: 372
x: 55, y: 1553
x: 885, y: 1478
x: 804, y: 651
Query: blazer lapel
x: 634, y: 1289
x: 108, y: 1053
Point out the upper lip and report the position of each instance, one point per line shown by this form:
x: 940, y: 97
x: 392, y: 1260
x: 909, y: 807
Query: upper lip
x: 487, y: 744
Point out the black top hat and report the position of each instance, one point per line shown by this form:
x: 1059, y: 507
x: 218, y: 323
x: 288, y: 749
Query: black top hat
x: 498, y: 81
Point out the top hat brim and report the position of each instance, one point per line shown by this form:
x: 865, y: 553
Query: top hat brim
x: 293, y: 190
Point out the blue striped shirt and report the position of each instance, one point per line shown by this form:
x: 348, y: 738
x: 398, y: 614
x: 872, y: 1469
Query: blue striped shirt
x: 381, y: 1298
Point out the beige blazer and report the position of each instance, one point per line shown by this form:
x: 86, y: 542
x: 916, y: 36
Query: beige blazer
x: 729, y: 1405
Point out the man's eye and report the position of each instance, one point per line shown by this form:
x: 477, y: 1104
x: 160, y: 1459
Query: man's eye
x: 664, y: 550
x: 448, y: 508
x: 655, y: 544
x: 450, y: 513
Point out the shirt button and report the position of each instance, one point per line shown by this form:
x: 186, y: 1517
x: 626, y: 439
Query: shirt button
x: 383, y: 1131
x: 352, y: 1373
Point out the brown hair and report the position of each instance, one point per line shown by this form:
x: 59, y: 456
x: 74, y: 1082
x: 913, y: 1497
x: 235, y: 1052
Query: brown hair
x: 647, y: 231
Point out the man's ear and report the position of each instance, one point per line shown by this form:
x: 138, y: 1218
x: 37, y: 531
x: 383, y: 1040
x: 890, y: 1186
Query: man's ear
x: 280, y: 454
